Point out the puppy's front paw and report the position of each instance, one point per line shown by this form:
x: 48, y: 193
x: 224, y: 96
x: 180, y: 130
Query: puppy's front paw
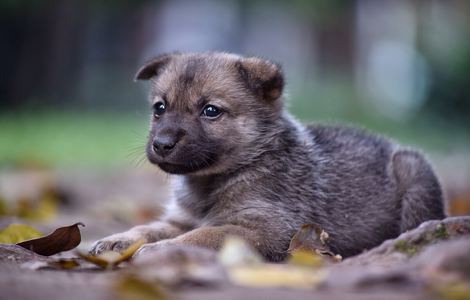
x: 173, y: 253
x: 151, y: 248
x: 116, y: 242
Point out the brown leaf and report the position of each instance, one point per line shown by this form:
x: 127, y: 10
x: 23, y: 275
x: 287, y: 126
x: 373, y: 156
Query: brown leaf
x: 62, y: 239
x: 55, y: 264
x: 312, y: 238
x: 309, y: 237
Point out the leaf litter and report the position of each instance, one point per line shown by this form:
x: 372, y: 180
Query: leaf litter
x: 237, y: 262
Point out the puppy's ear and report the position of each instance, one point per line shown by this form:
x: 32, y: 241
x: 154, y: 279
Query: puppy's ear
x: 154, y: 66
x: 262, y: 77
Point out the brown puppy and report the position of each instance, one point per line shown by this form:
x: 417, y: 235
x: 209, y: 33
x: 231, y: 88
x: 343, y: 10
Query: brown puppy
x: 243, y: 166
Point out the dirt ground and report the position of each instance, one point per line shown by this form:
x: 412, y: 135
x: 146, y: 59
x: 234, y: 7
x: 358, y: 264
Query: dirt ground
x: 114, y: 200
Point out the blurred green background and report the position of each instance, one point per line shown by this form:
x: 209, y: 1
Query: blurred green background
x: 67, y: 99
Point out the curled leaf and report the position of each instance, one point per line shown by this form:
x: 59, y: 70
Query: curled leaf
x: 111, y: 259
x: 15, y: 233
x: 311, y: 238
x: 62, y: 239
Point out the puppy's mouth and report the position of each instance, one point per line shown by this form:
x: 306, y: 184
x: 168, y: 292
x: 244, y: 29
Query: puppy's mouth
x: 178, y: 168
x: 187, y: 163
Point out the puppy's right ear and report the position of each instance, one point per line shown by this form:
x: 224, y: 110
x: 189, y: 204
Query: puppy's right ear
x: 263, y: 77
x: 154, y: 66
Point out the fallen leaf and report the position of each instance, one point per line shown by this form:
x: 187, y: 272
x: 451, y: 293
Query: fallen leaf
x: 311, y: 238
x: 65, y: 263
x: 15, y: 233
x: 42, y: 209
x: 236, y: 251
x: 62, y: 239
x: 452, y: 291
x: 3, y: 207
x: 275, y: 275
x: 132, y: 287
x: 57, y: 264
x: 111, y: 259
x: 305, y: 258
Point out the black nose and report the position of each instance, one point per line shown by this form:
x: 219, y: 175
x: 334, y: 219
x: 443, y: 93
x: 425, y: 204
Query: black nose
x: 163, y: 145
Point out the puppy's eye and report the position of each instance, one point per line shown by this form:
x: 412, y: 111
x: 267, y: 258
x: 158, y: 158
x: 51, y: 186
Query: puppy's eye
x: 211, y: 112
x: 159, y: 108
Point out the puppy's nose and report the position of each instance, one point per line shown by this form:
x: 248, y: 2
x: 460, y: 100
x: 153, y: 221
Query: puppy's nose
x: 163, y: 145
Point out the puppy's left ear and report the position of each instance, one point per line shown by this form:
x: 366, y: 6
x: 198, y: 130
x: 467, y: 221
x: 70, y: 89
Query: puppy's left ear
x: 154, y: 66
x: 263, y: 77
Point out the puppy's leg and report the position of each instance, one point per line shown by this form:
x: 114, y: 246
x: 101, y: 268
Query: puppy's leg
x: 149, y: 233
x: 420, y: 191
x: 212, y: 237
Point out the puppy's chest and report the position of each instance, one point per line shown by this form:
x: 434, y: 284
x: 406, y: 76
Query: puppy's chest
x: 206, y: 201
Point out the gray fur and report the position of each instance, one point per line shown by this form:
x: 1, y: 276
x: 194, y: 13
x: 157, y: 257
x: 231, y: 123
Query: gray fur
x: 258, y: 173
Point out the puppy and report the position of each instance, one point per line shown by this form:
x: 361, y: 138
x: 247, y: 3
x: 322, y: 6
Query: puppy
x: 243, y: 166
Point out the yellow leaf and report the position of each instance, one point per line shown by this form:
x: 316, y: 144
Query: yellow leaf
x: 305, y: 258
x: 132, y: 287
x: 3, y: 207
x: 453, y: 291
x: 16, y: 233
x: 111, y: 259
x: 271, y: 275
x: 65, y: 263
x: 44, y: 209
x: 236, y: 251
x: 312, y: 238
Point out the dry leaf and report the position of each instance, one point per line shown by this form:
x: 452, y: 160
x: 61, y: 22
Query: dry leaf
x: 236, y: 251
x: 312, y: 238
x: 65, y: 263
x: 132, y: 287
x: 305, y: 258
x: 3, y: 207
x: 309, y: 237
x: 275, y: 275
x: 452, y: 291
x: 111, y: 259
x: 58, y: 264
x: 62, y: 239
x: 36, y: 210
x: 15, y: 233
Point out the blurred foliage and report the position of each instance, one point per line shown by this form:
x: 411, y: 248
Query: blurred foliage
x: 16, y: 233
x: 449, y: 97
x: 72, y: 139
x: 65, y: 58
x: 20, y: 6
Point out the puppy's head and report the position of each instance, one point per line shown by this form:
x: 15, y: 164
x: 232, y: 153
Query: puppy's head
x: 211, y: 111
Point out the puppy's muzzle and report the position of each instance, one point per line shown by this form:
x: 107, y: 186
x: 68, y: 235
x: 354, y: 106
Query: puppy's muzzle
x: 164, y: 145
